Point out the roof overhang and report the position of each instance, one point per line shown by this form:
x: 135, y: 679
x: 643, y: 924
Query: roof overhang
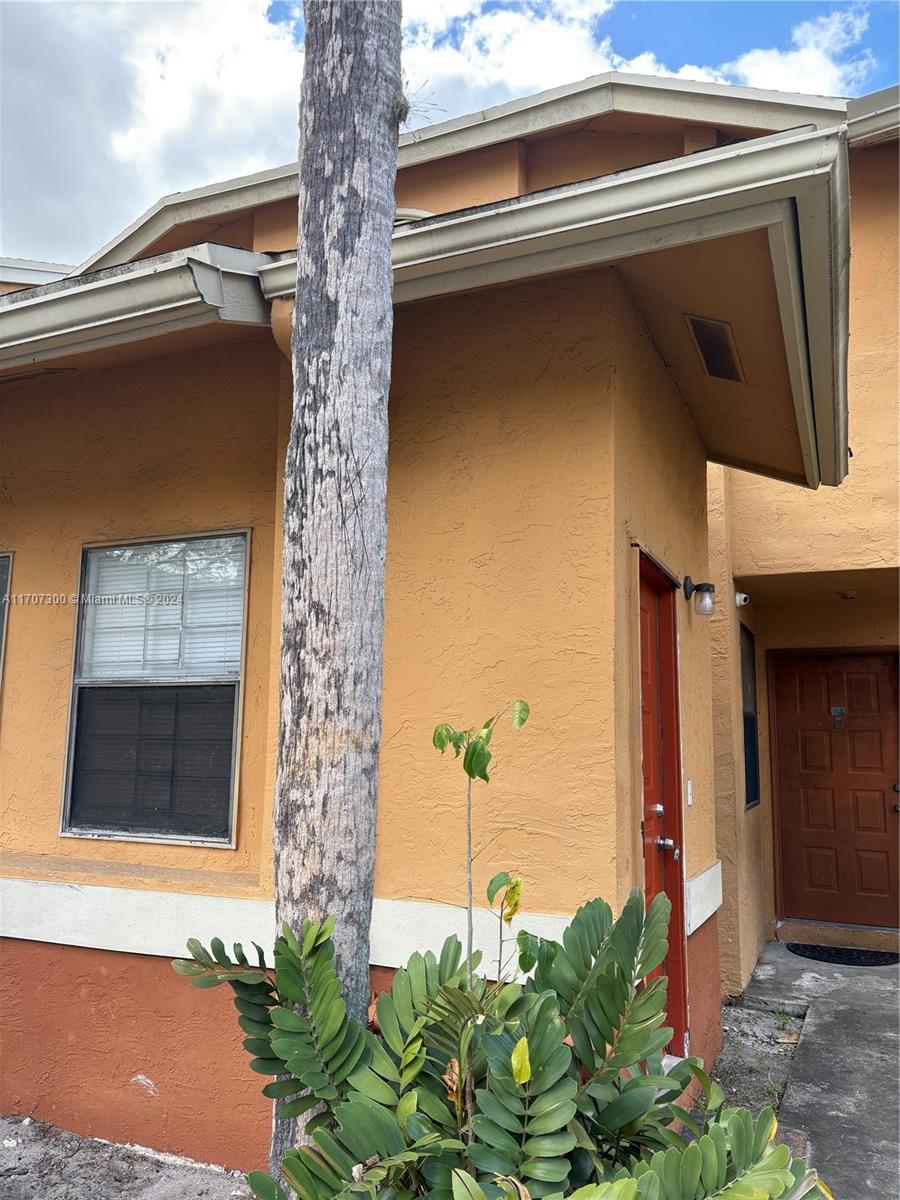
x: 203, y: 286
x: 875, y: 118
x: 793, y: 186
x: 30, y: 273
x: 712, y: 104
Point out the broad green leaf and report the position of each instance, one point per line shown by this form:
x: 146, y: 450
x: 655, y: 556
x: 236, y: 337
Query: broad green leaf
x: 205, y: 981
x: 691, y: 1167
x: 550, y: 1145
x: 520, y: 1062
x: 196, y: 950
x: 218, y: 949
x: 181, y: 966
x: 500, y: 880
x: 264, y: 1187
x: 476, y: 760
x: 281, y: 1088
x: 626, y: 1108
x: 465, y: 1187
x: 441, y: 737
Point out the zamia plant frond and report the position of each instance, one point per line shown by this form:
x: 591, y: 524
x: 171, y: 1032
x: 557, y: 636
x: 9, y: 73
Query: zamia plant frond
x: 549, y: 1086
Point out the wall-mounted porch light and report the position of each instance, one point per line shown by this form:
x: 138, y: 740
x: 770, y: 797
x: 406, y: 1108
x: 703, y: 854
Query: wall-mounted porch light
x: 704, y: 596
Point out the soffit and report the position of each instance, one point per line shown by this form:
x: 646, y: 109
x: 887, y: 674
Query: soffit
x: 753, y: 423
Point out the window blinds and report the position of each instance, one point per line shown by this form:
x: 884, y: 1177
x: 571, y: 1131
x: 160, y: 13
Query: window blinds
x: 164, y: 610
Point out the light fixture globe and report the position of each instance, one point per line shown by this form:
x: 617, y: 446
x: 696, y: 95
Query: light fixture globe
x: 704, y: 595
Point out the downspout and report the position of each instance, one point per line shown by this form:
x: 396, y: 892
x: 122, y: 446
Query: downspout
x: 283, y: 323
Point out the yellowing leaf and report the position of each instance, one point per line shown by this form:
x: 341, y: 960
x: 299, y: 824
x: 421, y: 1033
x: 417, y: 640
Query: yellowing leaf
x: 520, y: 713
x: 521, y: 1063
x: 512, y: 899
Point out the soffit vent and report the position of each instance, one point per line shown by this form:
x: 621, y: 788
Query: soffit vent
x: 716, y: 346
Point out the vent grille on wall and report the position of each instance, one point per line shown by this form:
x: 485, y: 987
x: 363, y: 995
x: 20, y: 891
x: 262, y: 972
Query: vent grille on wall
x: 716, y: 346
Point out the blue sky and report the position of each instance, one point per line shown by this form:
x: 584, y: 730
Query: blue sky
x: 127, y: 100
x: 711, y: 31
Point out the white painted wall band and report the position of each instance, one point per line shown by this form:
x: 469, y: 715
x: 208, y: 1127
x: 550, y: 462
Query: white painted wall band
x: 702, y: 897
x: 138, y: 921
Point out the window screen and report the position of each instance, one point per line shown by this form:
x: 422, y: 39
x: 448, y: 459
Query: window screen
x: 751, y: 731
x: 156, y: 688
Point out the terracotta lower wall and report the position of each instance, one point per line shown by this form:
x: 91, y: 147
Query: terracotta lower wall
x: 117, y: 1046
x: 704, y: 1009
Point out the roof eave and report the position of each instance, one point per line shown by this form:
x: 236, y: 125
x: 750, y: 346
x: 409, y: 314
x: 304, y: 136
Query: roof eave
x: 203, y: 285
x: 793, y: 186
x: 675, y: 99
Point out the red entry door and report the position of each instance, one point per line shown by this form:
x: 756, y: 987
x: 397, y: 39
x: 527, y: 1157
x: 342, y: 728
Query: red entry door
x: 836, y: 772
x: 661, y: 769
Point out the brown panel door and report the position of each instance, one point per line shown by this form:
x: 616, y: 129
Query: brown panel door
x: 661, y: 769
x: 836, y: 764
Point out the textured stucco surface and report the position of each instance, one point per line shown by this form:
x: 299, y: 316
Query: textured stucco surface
x: 776, y: 527
x: 162, y: 448
x: 117, y: 1046
x: 759, y: 527
x: 745, y: 918
x: 660, y: 504
x: 704, y: 1012
x: 499, y: 585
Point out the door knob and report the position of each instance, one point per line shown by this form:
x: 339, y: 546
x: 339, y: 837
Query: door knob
x: 656, y: 809
x: 664, y: 843
x: 897, y: 787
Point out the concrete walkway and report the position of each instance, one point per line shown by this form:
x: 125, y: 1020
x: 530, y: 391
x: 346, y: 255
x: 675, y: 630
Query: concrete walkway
x: 843, y: 1085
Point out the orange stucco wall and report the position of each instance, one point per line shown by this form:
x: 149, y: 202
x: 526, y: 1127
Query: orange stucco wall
x: 169, y: 446
x: 660, y: 498
x: 500, y: 583
x: 766, y: 533
x: 776, y: 527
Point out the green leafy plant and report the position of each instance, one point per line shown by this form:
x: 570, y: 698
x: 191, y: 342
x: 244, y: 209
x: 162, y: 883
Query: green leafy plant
x: 571, y: 1094
x: 474, y: 747
x: 549, y: 1084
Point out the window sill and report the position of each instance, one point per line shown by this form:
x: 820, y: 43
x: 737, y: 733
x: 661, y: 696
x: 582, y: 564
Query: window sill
x: 178, y: 839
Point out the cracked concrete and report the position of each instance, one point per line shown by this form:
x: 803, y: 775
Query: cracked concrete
x: 841, y: 1091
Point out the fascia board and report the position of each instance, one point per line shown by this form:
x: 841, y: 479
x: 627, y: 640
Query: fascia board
x: 823, y: 226
x: 673, y: 99
x: 30, y: 272
x: 213, y: 200
x: 875, y: 118
x: 793, y: 186
x: 428, y: 254
x: 193, y: 287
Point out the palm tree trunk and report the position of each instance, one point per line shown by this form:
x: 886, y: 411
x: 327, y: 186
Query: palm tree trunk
x: 335, y: 521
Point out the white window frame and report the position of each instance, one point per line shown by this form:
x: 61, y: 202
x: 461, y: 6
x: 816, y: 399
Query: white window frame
x: 118, y: 835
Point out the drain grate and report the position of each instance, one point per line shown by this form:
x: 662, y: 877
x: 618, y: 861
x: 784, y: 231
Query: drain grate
x: 844, y: 957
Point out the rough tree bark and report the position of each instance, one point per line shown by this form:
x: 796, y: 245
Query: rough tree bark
x: 335, y: 521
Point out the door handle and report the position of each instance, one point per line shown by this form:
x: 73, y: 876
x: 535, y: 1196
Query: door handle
x: 664, y: 843
x: 657, y: 810
x: 897, y: 787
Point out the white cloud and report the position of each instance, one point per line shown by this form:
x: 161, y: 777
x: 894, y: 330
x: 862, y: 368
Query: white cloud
x: 105, y: 106
x: 817, y: 63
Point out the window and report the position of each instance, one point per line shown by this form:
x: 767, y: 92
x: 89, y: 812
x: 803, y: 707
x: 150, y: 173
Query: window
x: 5, y: 572
x: 157, y: 689
x: 751, y: 732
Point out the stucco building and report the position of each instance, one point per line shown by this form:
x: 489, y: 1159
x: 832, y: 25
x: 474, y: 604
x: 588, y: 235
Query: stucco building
x: 615, y: 284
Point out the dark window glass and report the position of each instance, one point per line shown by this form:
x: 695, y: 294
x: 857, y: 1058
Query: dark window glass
x: 154, y: 759
x: 751, y: 731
